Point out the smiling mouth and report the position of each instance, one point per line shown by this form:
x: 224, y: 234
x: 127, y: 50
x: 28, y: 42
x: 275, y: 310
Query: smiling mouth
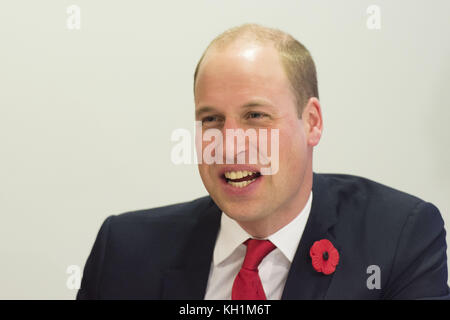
x: 240, y: 179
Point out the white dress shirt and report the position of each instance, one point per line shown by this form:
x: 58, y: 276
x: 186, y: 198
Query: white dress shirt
x: 229, y: 253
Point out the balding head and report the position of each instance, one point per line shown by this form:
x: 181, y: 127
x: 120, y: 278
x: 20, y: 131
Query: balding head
x: 295, y: 58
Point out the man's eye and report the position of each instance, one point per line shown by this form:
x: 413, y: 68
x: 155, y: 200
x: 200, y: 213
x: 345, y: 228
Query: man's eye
x: 256, y: 115
x: 209, y: 119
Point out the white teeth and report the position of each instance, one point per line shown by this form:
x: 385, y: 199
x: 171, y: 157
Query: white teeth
x: 237, y: 174
x: 241, y: 184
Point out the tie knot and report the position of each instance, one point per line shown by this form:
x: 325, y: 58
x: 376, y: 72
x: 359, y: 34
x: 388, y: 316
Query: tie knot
x: 256, y: 251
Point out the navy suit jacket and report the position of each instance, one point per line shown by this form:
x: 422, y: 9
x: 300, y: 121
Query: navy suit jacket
x: 166, y: 252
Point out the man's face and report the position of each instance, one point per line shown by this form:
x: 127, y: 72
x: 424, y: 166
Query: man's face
x: 245, y: 87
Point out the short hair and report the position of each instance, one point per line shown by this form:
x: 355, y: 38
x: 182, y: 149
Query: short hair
x: 295, y: 58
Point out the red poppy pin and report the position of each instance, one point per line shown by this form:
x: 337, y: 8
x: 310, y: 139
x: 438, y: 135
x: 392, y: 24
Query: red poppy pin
x: 324, y: 256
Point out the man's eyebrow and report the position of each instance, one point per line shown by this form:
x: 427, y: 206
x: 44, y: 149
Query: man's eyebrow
x: 257, y: 103
x: 204, y: 109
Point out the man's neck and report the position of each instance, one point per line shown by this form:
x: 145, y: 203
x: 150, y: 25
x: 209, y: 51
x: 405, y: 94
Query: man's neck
x: 273, y: 222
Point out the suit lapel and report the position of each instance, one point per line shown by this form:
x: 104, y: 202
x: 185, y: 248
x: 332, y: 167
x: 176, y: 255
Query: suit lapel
x: 187, y: 279
x: 303, y: 282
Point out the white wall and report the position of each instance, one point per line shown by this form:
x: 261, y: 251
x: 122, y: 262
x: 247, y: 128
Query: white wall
x: 86, y: 115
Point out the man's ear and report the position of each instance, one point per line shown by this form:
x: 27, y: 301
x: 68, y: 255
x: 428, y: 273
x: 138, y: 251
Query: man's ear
x: 312, y: 121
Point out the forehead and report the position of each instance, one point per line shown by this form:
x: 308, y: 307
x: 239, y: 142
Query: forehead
x: 239, y: 70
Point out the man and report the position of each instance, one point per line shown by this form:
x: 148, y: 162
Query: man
x: 289, y: 234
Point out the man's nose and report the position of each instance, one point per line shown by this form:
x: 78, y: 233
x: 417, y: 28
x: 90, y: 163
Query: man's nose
x: 233, y: 146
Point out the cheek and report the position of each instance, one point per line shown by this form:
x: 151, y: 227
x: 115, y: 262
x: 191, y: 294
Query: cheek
x: 204, y: 172
x: 292, y: 149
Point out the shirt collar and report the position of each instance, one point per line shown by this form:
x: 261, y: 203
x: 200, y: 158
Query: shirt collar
x: 287, y: 238
x: 231, y: 235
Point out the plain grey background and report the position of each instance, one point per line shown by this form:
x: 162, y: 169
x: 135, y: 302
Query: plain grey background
x: 86, y: 115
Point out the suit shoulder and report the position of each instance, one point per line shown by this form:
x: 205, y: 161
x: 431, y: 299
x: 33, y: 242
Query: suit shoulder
x: 375, y: 193
x: 183, y: 211
x: 398, y: 232
x: 365, y: 201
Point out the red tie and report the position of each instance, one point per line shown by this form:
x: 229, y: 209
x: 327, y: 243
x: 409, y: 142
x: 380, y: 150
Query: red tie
x: 247, y: 285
